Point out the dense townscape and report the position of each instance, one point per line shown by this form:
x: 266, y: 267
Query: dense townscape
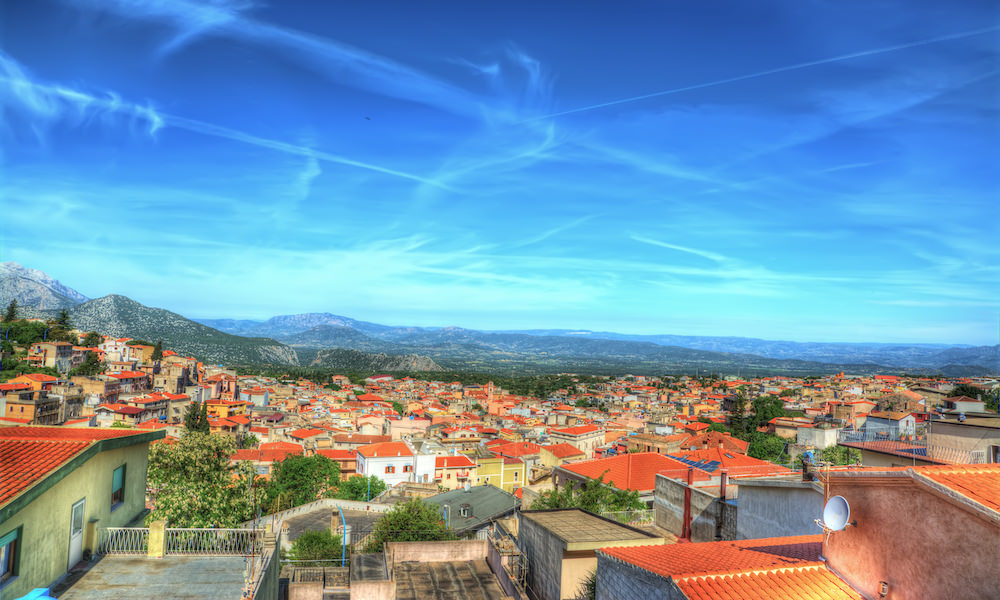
x: 646, y: 462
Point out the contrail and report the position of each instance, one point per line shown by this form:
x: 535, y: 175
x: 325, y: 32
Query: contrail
x: 812, y: 63
x: 32, y: 95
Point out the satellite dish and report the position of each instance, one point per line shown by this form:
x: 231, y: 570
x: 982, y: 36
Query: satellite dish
x: 836, y: 514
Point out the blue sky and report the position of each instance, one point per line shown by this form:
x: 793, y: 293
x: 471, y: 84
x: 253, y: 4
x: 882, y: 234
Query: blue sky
x: 804, y: 170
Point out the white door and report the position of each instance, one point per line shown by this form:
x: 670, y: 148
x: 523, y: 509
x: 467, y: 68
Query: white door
x: 76, y: 534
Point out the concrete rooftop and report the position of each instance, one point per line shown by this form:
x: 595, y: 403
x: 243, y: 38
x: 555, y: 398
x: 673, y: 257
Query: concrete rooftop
x: 361, y: 521
x: 469, y: 580
x: 175, y: 577
x: 577, y: 526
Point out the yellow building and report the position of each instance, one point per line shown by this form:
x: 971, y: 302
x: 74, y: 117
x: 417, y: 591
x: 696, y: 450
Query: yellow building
x: 75, y: 483
x: 508, y: 474
x: 221, y: 409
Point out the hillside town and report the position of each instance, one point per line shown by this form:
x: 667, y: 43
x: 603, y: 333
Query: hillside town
x: 697, y: 476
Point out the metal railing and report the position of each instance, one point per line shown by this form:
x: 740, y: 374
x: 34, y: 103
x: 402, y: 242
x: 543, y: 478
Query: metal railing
x: 214, y: 542
x: 635, y: 518
x: 124, y: 541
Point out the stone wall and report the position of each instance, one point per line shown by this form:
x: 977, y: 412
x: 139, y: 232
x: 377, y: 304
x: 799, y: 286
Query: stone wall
x: 710, y: 517
x: 783, y: 509
x: 543, y: 553
x: 617, y: 580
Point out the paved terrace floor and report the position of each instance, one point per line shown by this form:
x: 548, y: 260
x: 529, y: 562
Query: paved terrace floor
x: 319, y: 520
x: 469, y: 580
x: 174, y: 577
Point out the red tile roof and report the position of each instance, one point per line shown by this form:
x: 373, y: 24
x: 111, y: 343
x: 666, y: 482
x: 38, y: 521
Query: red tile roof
x: 290, y: 446
x: 628, y: 471
x: 28, y: 454
x: 578, y: 430
x: 264, y: 455
x: 302, y: 434
x: 813, y: 582
x: 516, y: 449
x: 63, y: 433
x: 336, y: 454
x: 25, y: 461
x: 452, y: 462
x: 564, y: 450
x: 980, y: 483
x: 385, y: 449
x: 685, y: 560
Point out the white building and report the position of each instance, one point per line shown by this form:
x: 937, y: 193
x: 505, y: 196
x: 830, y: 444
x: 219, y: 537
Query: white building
x: 395, y: 462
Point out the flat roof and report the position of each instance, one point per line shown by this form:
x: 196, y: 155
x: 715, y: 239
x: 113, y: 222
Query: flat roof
x: 180, y: 577
x: 574, y: 526
x: 469, y: 580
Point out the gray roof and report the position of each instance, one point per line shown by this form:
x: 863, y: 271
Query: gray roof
x: 485, y: 503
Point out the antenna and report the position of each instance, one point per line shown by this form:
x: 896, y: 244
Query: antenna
x: 836, y: 515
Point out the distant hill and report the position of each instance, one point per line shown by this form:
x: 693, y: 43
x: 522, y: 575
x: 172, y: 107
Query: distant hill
x: 35, y: 289
x: 123, y: 317
x: 555, y: 348
x: 287, y: 325
x: 339, y: 358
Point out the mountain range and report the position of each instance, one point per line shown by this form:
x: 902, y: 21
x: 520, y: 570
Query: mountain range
x: 333, y: 341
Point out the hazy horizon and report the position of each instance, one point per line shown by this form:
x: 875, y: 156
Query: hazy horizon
x: 781, y: 170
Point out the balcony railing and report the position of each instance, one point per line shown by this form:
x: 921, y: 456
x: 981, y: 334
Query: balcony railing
x: 124, y: 541
x: 214, y: 542
x: 635, y: 518
x: 134, y: 541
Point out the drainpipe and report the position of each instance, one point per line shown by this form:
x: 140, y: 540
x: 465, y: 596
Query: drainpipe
x: 343, y: 537
x: 686, y: 524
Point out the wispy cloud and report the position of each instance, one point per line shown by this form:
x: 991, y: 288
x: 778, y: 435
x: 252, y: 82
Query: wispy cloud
x: 342, y: 63
x: 777, y: 70
x: 52, y: 103
x: 702, y: 253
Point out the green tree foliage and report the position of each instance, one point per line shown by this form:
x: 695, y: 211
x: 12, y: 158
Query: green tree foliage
x: 768, y: 447
x: 138, y: 343
x: 246, y: 440
x: 11, y: 313
x: 120, y: 425
x: 63, y: 319
x: 92, y: 339
x: 964, y: 389
x: 413, y: 521
x: 360, y: 488
x: 588, y: 587
x: 316, y: 546
x: 593, y: 495
x: 396, y: 406
x: 192, y: 484
x: 157, y: 351
x: 787, y: 393
x: 90, y: 366
x: 196, y: 417
x: 301, y: 479
x: 764, y: 409
x: 582, y: 403
x: 738, y: 419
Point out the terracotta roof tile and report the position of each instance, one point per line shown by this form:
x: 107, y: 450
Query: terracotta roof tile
x: 717, y: 558
x: 564, y: 450
x: 385, y: 449
x: 980, y: 483
x: 26, y: 461
x: 63, y: 433
x: 629, y: 471
x: 812, y: 582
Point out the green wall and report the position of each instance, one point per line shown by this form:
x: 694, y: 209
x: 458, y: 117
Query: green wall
x: 44, y: 542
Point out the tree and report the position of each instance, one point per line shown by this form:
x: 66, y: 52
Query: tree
x: 11, y: 313
x: 768, y: 447
x: 92, y: 339
x: 298, y: 480
x: 120, y: 425
x: 396, y: 406
x: 90, y: 366
x: 582, y: 403
x: 192, y: 484
x: 764, y: 409
x: 593, y: 495
x: 157, y: 351
x: 63, y: 319
x: 360, y: 488
x: 413, y: 521
x: 195, y: 419
x: 738, y: 418
x: 247, y: 440
x: 316, y: 546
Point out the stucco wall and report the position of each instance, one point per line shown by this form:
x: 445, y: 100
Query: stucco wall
x: 767, y: 511
x: 963, y: 437
x: 543, y: 553
x: 617, y: 580
x: 707, y: 513
x: 921, y: 544
x: 44, y: 542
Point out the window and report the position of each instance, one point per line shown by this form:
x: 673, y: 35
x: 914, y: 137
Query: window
x: 390, y: 469
x: 407, y: 468
x: 118, y: 487
x: 9, y: 555
x: 515, y: 475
